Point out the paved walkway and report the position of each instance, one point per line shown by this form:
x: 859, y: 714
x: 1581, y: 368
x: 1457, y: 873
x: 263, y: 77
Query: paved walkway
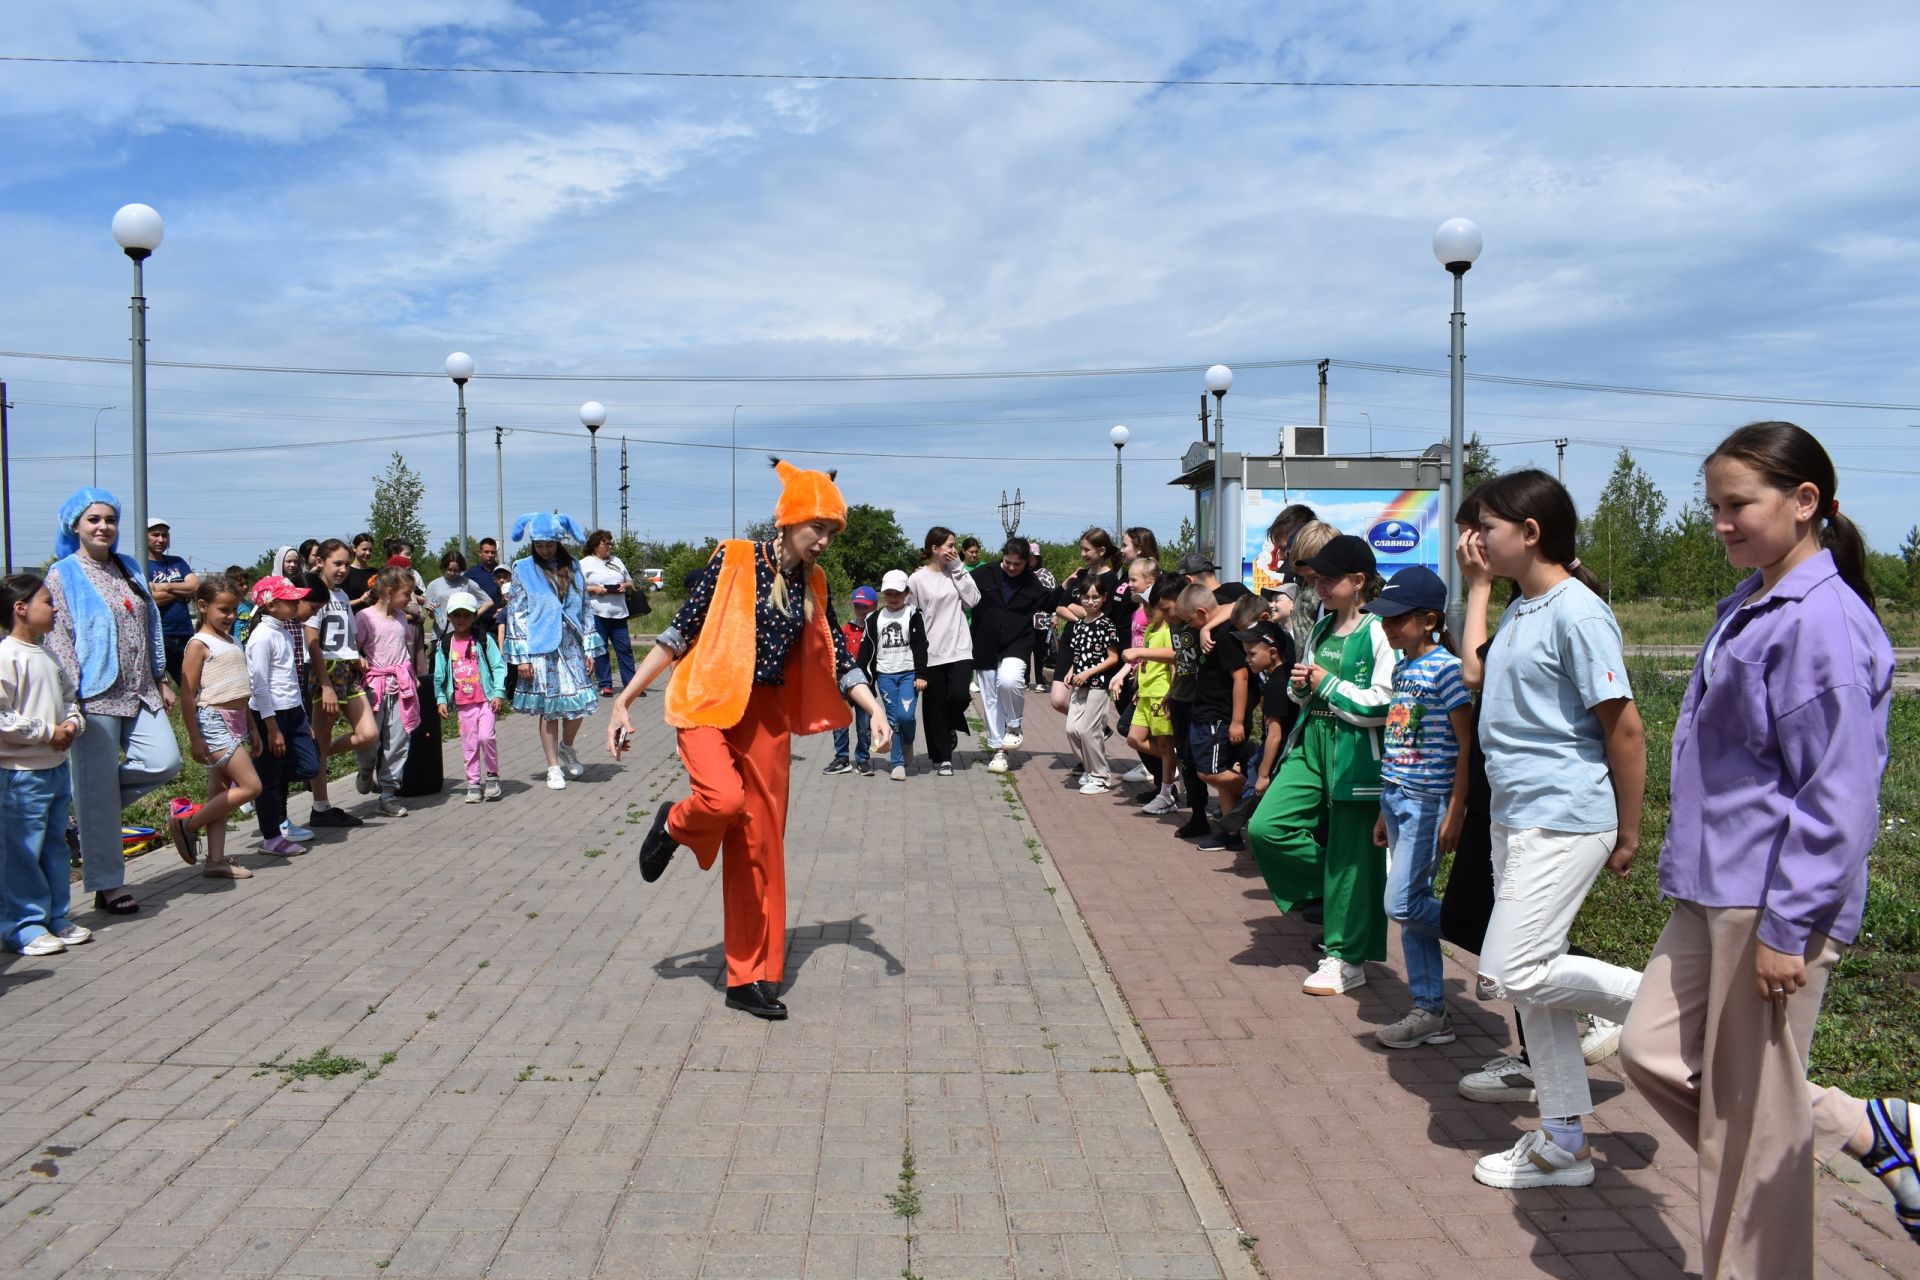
x: 1347, y: 1160
x: 547, y: 1083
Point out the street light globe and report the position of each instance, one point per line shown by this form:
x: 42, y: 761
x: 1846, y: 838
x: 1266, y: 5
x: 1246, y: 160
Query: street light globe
x: 138, y: 228
x: 593, y: 415
x: 1456, y: 244
x: 459, y: 366
x: 1219, y: 379
x: 1119, y: 436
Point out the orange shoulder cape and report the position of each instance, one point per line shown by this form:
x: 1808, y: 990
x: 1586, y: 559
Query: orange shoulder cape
x: 713, y: 680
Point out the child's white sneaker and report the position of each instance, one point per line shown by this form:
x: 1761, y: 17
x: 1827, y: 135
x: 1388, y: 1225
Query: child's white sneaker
x: 492, y: 790
x: 43, y: 945
x: 899, y: 773
x: 1333, y: 977
x: 1161, y: 803
x: 1138, y: 773
x: 1601, y: 1040
x: 390, y: 808
x: 473, y: 793
x: 570, y: 761
x: 1536, y: 1161
x: 74, y: 934
x: 1092, y: 786
x: 998, y: 764
x: 556, y: 778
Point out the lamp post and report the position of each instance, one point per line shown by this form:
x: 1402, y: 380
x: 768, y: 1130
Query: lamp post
x: 733, y: 467
x: 460, y: 368
x: 1219, y: 380
x: 593, y: 416
x: 1456, y: 244
x: 1369, y: 418
x: 96, y: 441
x: 1119, y: 436
x: 138, y: 229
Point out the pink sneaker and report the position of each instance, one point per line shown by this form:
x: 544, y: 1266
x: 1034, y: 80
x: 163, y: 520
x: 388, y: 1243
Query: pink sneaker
x: 282, y: 846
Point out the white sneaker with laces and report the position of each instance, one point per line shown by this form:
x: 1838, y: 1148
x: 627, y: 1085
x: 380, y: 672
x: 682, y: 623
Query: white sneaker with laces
x: 294, y: 831
x: 899, y: 773
x: 1137, y: 774
x: 556, y: 778
x: 570, y: 761
x: 388, y: 807
x: 492, y: 790
x: 74, y: 934
x: 1601, y: 1040
x: 1092, y: 786
x: 1506, y: 1079
x: 473, y: 793
x: 44, y: 945
x: 1417, y: 1028
x: 1536, y: 1161
x: 1333, y: 977
x: 1161, y: 803
x: 998, y: 764
x: 1012, y: 740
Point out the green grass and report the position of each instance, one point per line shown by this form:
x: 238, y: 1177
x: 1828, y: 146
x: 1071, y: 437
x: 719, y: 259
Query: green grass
x: 321, y: 1064
x: 1671, y: 622
x: 1868, y: 1039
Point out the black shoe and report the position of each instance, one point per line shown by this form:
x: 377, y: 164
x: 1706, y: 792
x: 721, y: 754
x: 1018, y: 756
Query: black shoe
x: 1313, y: 912
x: 656, y: 851
x: 1237, y: 818
x: 1228, y: 843
x: 757, y: 999
x: 118, y: 902
x: 864, y: 769
x: 334, y: 817
x: 1193, y: 827
x: 839, y: 764
x: 1320, y: 943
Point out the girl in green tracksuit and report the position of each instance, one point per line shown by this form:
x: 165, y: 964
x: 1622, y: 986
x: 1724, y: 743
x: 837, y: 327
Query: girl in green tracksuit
x: 1331, y: 771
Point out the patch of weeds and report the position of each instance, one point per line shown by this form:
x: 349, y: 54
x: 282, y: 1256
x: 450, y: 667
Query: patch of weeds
x: 485, y: 963
x: 1052, y: 889
x: 432, y: 1014
x: 388, y: 1056
x: 905, y: 1201
x: 595, y: 853
x: 526, y: 1073
x: 1031, y: 843
x: 1248, y: 1240
x: 323, y: 1064
x: 369, y: 1010
x: 1033, y: 857
x: 533, y: 915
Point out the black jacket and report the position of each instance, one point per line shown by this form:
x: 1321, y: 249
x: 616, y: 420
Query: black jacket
x: 916, y: 640
x: 1003, y: 626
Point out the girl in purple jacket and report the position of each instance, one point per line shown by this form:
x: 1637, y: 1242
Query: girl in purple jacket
x: 1777, y: 758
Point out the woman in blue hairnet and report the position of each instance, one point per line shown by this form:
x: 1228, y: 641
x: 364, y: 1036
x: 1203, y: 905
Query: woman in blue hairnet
x: 106, y: 637
x: 551, y: 639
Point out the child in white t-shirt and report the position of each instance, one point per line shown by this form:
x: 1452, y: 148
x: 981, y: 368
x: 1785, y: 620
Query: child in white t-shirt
x: 893, y: 653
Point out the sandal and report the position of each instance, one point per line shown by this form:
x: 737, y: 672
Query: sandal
x: 185, y: 842
x: 120, y: 904
x: 225, y: 870
x: 1892, y: 1159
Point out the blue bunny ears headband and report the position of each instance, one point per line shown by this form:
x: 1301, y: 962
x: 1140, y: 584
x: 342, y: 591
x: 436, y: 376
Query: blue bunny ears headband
x: 548, y: 526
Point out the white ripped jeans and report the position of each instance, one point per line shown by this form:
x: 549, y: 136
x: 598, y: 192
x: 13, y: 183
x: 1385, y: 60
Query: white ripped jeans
x: 1540, y: 879
x: 1003, y: 697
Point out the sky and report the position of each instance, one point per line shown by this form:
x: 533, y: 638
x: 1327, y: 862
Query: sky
x: 717, y: 234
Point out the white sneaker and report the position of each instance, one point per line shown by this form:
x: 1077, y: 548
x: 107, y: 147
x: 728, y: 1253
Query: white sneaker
x: 44, y: 945
x: 1536, y: 1161
x: 1161, y: 803
x: 899, y: 773
x: 1417, y: 1028
x: 998, y: 764
x: 1601, y: 1040
x: 570, y: 761
x: 556, y: 778
x: 1012, y: 740
x: 473, y: 793
x: 388, y: 807
x: 1137, y: 774
x: 1092, y: 786
x: 74, y: 934
x: 1333, y: 977
x: 1507, y: 1079
x: 492, y: 790
x: 295, y: 832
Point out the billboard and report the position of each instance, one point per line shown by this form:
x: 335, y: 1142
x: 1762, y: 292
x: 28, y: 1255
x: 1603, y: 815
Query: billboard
x: 1403, y: 526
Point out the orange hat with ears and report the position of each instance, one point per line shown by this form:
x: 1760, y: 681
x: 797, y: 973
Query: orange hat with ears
x: 807, y: 496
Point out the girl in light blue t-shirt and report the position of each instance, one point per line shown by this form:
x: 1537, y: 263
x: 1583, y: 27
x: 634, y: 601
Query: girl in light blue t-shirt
x: 1566, y: 765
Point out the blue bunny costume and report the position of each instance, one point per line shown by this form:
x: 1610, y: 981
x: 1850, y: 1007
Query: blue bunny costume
x: 551, y: 631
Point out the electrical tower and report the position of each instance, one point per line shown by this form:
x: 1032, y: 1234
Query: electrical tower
x: 1010, y: 512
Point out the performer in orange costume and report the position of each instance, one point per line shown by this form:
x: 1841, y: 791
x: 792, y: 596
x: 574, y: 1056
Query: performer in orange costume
x: 757, y: 655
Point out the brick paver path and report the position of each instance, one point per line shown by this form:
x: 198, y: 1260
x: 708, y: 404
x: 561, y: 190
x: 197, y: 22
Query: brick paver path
x: 565, y: 1094
x: 1345, y: 1159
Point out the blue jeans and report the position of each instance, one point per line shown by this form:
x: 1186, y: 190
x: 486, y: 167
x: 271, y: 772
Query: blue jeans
x: 36, y: 891
x: 898, y: 696
x: 1413, y: 846
x: 619, y: 644
x: 862, y: 729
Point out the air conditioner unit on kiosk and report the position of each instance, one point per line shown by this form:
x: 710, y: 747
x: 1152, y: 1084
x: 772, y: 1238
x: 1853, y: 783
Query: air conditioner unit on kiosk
x: 1303, y: 442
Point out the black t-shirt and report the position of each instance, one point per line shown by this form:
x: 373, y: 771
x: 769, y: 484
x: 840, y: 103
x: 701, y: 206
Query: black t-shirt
x: 358, y: 580
x: 1213, y: 690
x: 1228, y: 592
x: 1186, y: 662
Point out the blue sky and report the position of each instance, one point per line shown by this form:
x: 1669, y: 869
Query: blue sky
x: 1747, y: 243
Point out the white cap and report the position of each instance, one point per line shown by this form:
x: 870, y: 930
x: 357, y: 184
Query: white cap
x: 157, y: 524
x: 462, y: 600
x: 894, y: 580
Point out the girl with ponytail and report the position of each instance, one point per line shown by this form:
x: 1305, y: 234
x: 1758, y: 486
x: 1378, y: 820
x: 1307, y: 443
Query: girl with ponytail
x: 1777, y: 758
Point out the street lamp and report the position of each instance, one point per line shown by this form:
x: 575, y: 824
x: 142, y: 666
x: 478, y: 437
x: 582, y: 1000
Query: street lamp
x: 733, y: 467
x: 138, y: 229
x: 1219, y: 380
x: 96, y: 440
x: 1369, y: 418
x: 460, y: 368
x: 593, y: 416
x: 1456, y: 244
x: 1119, y: 437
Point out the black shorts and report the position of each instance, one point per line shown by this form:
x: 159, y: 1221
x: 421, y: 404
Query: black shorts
x: 1212, y: 749
x: 176, y: 647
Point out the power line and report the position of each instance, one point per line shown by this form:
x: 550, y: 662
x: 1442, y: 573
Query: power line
x: 1559, y: 385
x: 1126, y: 82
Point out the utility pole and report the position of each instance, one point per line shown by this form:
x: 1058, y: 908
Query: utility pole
x: 499, y: 485
x: 1560, y: 448
x: 6, y: 480
x: 1203, y: 418
x: 1323, y: 393
x: 623, y: 486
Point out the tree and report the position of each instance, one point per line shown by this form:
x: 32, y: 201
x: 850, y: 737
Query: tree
x: 1481, y: 465
x: 1910, y: 554
x: 871, y: 544
x: 1622, y: 541
x: 1170, y: 555
x: 1694, y: 564
x: 396, y: 506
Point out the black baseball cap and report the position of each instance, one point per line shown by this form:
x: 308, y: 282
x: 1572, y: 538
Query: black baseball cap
x: 1342, y: 555
x: 1196, y: 562
x: 1262, y: 632
x: 1414, y: 587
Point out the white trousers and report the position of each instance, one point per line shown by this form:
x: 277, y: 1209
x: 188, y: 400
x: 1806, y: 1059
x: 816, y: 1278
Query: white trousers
x: 1540, y: 878
x: 1003, y: 696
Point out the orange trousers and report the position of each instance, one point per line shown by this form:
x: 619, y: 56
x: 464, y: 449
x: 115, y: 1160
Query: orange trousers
x: 738, y: 810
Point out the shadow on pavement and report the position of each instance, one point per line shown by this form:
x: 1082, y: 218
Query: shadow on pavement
x: 710, y: 962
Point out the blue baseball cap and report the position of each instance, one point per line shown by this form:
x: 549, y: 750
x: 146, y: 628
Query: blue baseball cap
x: 865, y: 595
x: 1414, y: 587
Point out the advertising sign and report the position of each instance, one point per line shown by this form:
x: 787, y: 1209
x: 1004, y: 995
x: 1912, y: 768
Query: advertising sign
x: 1403, y: 526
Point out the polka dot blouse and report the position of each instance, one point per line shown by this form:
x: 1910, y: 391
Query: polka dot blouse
x: 776, y: 631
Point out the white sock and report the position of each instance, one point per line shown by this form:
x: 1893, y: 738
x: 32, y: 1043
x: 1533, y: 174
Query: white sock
x: 1568, y: 1133
x: 321, y: 806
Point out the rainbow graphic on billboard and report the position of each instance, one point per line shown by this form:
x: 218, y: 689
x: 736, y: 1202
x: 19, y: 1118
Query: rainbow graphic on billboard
x: 1403, y: 526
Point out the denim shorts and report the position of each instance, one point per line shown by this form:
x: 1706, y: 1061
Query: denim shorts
x: 225, y: 732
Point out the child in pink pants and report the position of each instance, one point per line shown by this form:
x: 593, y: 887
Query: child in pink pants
x: 470, y: 677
